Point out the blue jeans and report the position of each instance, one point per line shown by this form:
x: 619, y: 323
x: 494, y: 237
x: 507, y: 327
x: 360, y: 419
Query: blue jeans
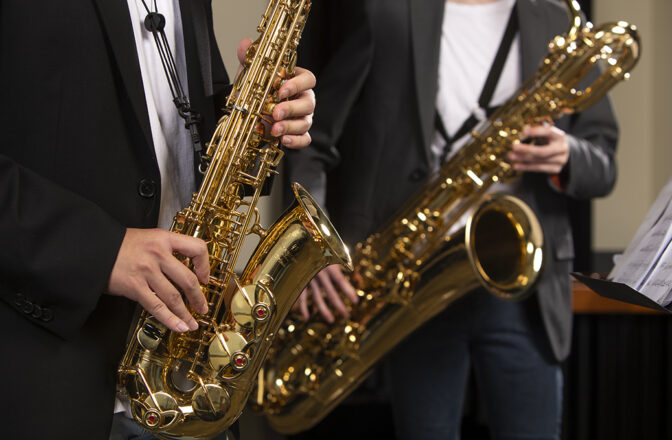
x: 518, y: 379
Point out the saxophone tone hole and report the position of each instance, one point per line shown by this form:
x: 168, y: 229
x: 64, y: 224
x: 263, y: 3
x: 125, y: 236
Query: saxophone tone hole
x: 179, y: 376
x: 211, y: 402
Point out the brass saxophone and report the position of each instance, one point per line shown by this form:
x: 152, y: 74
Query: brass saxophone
x: 196, y: 384
x: 410, y: 270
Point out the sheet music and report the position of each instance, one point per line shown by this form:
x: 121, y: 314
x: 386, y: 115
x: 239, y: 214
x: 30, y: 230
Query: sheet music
x: 654, y: 214
x: 646, y: 265
x: 658, y: 286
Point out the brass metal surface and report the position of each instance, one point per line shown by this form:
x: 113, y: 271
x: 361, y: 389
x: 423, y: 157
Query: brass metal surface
x: 410, y: 270
x: 196, y: 384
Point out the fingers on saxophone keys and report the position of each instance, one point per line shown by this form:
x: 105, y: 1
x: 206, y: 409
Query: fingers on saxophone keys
x: 303, y: 304
x: 303, y: 80
x: 302, y: 105
x: 331, y: 293
x: 296, y: 141
x: 318, y: 299
x: 157, y: 307
x: 343, y: 284
x: 187, y: 282
x: 172, y: 298
x: 292, y: 126
x: 196, y: 250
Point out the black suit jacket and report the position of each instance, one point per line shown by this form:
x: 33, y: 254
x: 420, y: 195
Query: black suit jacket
x: 77, y: 167
x: 373, y: 128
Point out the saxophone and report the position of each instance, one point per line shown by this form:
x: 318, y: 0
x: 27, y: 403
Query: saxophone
x: 415, y: 267
x: 196, y: 384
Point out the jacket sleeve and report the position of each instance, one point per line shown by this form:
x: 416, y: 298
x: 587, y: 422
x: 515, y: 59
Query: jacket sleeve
x: 337, y: 47
x: 592, y: 137
x: 58, y: 250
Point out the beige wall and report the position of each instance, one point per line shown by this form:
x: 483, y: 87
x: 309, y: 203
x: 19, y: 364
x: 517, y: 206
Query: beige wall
x: 235, y: 20
x: 644, y: 155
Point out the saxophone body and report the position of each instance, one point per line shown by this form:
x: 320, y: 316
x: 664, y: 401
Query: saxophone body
x: 416, y: 266
x: 196, y: 384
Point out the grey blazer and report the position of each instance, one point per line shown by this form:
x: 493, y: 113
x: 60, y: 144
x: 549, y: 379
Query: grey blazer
x: 376, y: 93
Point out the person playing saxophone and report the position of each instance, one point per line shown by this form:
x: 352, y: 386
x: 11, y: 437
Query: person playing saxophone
x: 418, y: 78
x: 94, y: 156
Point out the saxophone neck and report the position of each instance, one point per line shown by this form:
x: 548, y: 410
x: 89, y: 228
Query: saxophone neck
x: 576, y: 18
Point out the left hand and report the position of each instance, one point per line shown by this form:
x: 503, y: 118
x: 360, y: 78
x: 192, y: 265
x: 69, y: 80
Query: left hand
x: 331, y: 282
x: 548, y: 155
x: 293, y: 117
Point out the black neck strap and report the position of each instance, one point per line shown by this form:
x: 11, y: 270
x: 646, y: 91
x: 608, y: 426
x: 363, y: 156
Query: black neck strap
x: 488, y: 88
x: 156, y: 23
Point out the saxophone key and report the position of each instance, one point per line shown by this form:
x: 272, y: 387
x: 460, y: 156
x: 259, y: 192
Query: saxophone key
x: 226, y: 353
x: 150, y: 334
x: 156, y: 410
x: 251, y: 304
x: 210, y: 402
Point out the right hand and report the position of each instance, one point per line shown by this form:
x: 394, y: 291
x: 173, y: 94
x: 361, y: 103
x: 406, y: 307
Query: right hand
x: 147, y: 271
x: 329, y: 281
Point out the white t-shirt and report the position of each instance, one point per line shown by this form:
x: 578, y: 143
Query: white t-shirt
x: 470, y: 37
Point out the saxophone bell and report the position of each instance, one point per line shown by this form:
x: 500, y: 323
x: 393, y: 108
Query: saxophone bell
x: 504, y: 242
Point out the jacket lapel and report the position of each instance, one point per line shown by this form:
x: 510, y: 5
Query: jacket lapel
x: 195, y: 31
x: 117, y: 23
x: 426, y: 22
x: 536, y: 31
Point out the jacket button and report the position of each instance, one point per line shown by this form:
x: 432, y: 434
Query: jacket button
x: 417, y: 175
x: 147, y: 188
x: 37, y: 312
x: 28, y: 307
x: 47, y: 314
x: 19, y: 300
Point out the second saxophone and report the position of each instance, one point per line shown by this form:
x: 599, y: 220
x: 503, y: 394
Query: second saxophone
x: 415, y: 266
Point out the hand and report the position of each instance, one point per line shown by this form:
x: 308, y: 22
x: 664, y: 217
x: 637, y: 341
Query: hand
x: 293, y: 117
x: 328, y: 281
x: 147, y: 271
x: 550, y: 157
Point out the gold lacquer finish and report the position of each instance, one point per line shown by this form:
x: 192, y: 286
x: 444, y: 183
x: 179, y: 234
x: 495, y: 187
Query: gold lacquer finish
x: 196, y: 384
x: 411, y: 269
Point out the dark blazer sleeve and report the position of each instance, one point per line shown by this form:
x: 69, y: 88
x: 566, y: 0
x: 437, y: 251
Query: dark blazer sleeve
x: 337, y: 47
x: 592, y: 138
x: 58, y: 249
